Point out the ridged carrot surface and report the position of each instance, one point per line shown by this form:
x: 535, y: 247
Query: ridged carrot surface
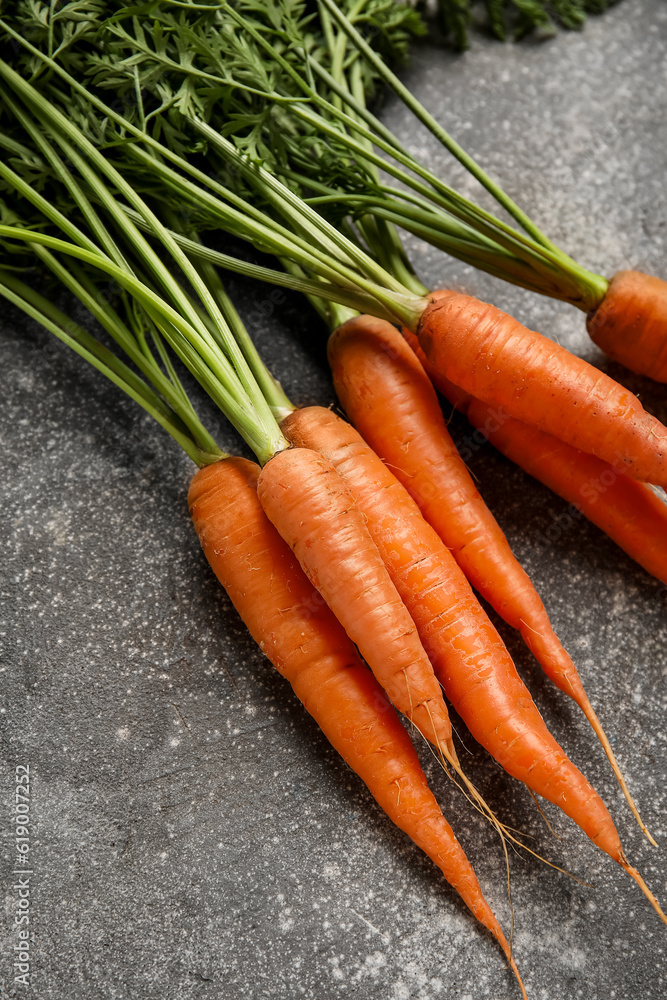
x: 301, y: 637
x: 316, y: 514
x: 471, y: 662
x: 630, y: 324
x: 468, y: 655
x: 629, y: 512
x: 376, y: 373
x: 495, y: 358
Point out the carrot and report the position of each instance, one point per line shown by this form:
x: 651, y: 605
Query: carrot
x: 376, y: 374
x: 629, y: 512
x: 468, y: 655
x: 492, y: 356
x: 309, y: 648
x: 316, y: 514
x: 630, y: 323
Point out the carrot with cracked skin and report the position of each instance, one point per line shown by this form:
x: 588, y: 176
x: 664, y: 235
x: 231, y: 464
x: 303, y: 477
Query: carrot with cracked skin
x: 316, y: 514
x: 495, y: 358
x: 629, y: 512
x: 389, y: 398
x: 306, y: 644
x: 468, y: 655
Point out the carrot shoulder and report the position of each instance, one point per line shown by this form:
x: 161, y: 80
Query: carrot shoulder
x: 629, y: 512
x: 316, y: 514
x: 307, y: 645
x: 630, y: 324
x: 492, y: 356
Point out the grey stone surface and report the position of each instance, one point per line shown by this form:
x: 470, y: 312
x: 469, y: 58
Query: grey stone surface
x: 193, y: 833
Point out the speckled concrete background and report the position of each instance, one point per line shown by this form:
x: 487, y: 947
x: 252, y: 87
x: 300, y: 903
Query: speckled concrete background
x: 194, y: 835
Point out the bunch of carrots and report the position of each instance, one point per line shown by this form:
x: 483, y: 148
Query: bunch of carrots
x: 348, y: 546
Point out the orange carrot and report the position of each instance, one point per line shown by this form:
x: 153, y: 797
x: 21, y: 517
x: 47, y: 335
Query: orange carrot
x: 629, y: 512
x: 630, y: 324
x: 492, y: 356
x: 390, y: 400
x: 316, y: 514
x: 307, y: 645
x: 468, y: 655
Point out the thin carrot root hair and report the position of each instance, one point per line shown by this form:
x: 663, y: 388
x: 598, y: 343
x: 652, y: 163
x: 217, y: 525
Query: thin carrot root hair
x: 573, y: 687
x: 450, y: 760
x: 479, y: 803
x: 634, y: 874
x: 544, y: 816
x: 589, y: 712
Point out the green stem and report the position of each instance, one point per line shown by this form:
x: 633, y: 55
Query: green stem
x: 355, y: 301
x: 80, y: 341
x: 436, y: 129
x: 301, y: 214
x: 108, y: 318
x: 141, y: 246
x: 206, y: 365
x: 344, y: 285
x: 273, y: 392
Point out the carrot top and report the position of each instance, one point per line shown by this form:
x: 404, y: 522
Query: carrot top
x: 288, y: 88
x: 81, y: 219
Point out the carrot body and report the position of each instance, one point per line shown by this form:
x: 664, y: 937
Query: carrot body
x: 630, y: 324
x: 492, y: 356
x: 316, y: 514
x: 378, y: 376
x: 628, y: 511
x: 468, y: 655
x: 390, y: 399
x: 307, y: 645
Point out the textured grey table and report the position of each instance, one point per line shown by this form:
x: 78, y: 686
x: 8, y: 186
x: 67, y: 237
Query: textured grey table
x: 194, y: 835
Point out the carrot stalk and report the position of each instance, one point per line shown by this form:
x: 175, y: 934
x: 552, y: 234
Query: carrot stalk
x: 376, y: 373
x: 491, y: 355
x: 294, y: 627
